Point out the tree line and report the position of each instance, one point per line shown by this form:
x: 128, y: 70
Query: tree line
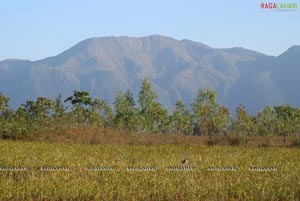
x: 147, y: 115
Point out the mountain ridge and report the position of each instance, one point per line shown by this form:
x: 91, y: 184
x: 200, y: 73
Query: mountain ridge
x: 176, y: 68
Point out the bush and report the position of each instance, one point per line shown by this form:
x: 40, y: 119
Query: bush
x: 212, y: 141
x: 234, y: 141
x: 15, y: 131
x: 295, y: 143
x: 265, y: 144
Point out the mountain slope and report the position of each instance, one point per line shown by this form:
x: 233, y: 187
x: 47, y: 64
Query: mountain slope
x: 177, y: 69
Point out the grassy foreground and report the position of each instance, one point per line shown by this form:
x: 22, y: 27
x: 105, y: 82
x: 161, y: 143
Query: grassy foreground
x: 121, y: 184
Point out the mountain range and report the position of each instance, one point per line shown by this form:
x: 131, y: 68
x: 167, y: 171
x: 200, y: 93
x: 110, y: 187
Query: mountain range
x: 177, y: 69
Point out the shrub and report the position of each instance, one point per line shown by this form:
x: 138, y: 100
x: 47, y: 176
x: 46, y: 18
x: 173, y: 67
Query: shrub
x: 15, y: 131
x: 295, y: 143
x: 212, y: 141
x: 234, y: 141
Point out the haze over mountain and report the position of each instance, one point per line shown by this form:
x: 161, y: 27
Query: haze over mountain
x: 176, y: 68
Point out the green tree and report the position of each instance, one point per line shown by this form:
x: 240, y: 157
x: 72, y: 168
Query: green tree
x: 181, y: 121
x: 242, y: 123
x: 101, y: 113
x: 44, y: 107
x: 223, y: 119
x: 152, y: 116
x: 38, y: 110
x: 208, y: 114
x: 81, y: 101
x: 125, y: 110
x: 28, y: 118
x: 268, y: 121
x: 59, y: 108
x: 4, y: 105
x: 288, y: 117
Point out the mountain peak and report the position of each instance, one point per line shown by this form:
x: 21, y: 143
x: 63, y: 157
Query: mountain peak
x: 293, y: 51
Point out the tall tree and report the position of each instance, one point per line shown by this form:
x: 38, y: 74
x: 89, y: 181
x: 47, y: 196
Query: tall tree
x: 268, y: 121
x: 151, y: 113
x: 207, y: 112
x: 101, y: 113
x: 124, y: 110
x: 38, y: 110
x: 181, y: 121
x: 287, y: 117
x: 4, y: 105
x: 59, y: 108
x: 81, y: 101
x: 242, y: 123
x: 223, y: 119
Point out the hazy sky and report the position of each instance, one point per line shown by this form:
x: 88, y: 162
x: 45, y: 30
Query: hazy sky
x: 33, y: 29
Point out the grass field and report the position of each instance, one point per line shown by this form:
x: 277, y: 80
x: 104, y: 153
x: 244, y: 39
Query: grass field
x: 121, y: 184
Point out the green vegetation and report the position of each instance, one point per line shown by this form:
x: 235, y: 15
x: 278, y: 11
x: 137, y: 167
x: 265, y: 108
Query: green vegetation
x: 206, y: 117
x: 201, y: 184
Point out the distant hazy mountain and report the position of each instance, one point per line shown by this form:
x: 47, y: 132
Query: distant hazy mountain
x: 177, y: 69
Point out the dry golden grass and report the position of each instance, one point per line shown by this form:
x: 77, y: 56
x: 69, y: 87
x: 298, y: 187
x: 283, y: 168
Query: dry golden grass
x: 96, y: 135
x: 201, y: 184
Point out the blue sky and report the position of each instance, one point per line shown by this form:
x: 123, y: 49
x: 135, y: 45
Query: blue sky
x: 32, y: 29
